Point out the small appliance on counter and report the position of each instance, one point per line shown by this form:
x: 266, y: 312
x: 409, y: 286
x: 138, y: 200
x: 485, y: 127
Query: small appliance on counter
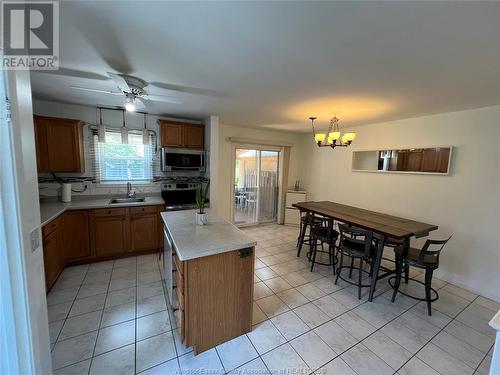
x: 66, y: 192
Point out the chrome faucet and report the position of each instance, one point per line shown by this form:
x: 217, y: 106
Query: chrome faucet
x: 130, y: 193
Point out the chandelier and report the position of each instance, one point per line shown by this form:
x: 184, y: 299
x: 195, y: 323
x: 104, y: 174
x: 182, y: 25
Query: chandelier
x: 333, y: 137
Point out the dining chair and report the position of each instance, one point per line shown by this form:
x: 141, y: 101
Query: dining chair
x: 426, y: 258
x: 323, y: 233
x: 306, y: 221
x: 356, y: 243
x: 394, y: 243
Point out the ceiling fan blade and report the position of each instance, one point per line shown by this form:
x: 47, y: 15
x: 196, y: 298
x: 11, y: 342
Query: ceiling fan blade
x: 187, y: 89
x: 162, y: 98
x: 145, y: 103
x: 66, y: 72
x: 96, y: 90
x: 108, y: 46
x: 120, y: 82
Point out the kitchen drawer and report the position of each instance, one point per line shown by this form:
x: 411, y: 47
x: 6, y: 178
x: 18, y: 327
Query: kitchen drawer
x: 179, y: 323
x: 179, y: 281
x: 180, y: 297
x: 292, y: 197
x: 50, y: 227
x: 292, y: 216
x: 102, y: 212
x: 143, y: 210
x: 179, y: 265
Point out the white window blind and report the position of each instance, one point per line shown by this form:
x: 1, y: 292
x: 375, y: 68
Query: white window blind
x: 124, y: 162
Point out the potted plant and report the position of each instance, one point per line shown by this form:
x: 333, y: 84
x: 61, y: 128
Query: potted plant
x: 201, y: 199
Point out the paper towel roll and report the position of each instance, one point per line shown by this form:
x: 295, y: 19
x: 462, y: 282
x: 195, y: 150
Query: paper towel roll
x: 66, y: 192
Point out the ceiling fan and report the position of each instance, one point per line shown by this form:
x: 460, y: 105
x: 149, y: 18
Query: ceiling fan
x: 133, y: 89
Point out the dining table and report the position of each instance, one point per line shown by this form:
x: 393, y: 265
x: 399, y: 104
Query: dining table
x: 383, y: 225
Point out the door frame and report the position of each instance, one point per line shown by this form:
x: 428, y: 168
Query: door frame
x: 258, y: 147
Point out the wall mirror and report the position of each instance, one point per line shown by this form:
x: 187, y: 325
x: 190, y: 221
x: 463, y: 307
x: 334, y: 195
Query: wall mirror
x: 435, y: 160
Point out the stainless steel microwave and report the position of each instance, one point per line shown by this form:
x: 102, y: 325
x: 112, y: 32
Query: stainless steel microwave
x: 182, y: 159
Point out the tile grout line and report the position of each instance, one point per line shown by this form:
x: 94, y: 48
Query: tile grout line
x: 100, y: 321
x: 429, y: 341
x: 69, y: 311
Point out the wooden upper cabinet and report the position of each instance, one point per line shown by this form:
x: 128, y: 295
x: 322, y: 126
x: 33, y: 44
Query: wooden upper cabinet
x: 42, y: 160
x: 181, y: 134
x: 76, y: 235
x: 193, y: 136
x: 59, y: 145
x: 171, y: 135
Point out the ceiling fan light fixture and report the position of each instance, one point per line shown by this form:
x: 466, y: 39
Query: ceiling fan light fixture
x: 129, y: 104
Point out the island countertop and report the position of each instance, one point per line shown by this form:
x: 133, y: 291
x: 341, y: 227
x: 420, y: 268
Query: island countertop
x: 193, y: 241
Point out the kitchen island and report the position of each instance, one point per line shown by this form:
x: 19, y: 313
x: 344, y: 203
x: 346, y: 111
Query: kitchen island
x: 208, y: 271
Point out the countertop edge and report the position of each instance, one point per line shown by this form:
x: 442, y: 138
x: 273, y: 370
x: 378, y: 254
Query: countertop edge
x: 215, y: 252
x: 201, y: 254
x: 495, y: 322
x: 63, y: 207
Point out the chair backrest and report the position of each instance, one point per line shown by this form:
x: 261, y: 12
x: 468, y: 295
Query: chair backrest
x: 432, y: 249
x: 354, y: 235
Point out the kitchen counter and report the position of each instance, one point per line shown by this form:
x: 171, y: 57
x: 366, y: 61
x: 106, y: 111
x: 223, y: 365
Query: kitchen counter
x: 51, y: 208
x: 195, y: 241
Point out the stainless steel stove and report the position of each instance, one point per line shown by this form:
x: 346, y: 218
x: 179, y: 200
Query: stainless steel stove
x: 179, y: 195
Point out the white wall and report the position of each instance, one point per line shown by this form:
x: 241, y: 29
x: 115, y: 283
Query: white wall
x: 466, y: 202
x: 224, y: 188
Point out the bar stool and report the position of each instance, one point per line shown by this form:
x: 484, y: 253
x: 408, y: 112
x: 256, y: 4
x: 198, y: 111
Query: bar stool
x: 306, y: 221
x: 424, y: 258
x: 357, y: 244
x: 323, y: 234
x: 394, y: 243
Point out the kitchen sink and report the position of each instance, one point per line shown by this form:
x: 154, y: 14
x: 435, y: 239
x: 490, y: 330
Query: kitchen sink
x: 126, y: 200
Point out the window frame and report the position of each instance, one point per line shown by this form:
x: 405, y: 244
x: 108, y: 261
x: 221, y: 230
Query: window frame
x: 148, y: 159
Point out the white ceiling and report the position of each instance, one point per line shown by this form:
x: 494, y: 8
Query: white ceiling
x: 273, y: 64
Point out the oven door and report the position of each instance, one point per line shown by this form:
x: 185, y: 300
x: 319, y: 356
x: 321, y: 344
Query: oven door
x: 179, y: 197
x: 173, y: 159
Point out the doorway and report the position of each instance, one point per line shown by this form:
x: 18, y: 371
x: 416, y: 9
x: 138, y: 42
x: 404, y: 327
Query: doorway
x: 256, y: 185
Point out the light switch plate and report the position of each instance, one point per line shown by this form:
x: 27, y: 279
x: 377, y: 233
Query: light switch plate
x: 35, y: 239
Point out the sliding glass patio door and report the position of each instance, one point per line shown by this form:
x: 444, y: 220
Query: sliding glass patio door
x: 255, y: 185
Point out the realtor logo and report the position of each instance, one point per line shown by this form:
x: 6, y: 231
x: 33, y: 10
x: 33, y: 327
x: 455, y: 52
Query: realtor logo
x: 30, y: 35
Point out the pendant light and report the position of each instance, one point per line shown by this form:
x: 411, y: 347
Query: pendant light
x: 101, y: 129
x: 333, y: 138
x: 145, y: 133
x: 124, y: 131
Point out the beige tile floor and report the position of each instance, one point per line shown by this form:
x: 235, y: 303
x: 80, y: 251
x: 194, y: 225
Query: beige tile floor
x: 112, y: 318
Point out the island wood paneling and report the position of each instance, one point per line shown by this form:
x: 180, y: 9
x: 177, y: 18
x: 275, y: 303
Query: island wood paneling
x: 218, y: 292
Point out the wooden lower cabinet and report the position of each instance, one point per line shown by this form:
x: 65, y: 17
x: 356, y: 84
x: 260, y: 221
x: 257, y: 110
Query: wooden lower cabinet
x: 109, y: 234
x: 83, y: 236
x: 52, y: 257
x: 144, y: 228
x: 76, y: 235
x: 212, y: 298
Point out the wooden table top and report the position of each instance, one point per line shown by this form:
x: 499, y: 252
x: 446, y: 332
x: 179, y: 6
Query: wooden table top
x: 384, y: 224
